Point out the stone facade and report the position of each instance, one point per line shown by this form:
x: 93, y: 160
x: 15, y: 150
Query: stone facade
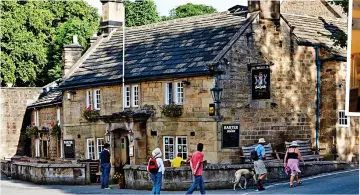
x: 14, y: 119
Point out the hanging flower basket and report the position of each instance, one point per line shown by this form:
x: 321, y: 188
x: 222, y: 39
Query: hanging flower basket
x: 55, y: 130
x: 90, y: 114
x: 172, y: 110
x: 32, y: 131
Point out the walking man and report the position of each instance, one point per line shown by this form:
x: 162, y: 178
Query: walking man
x: 105, y: 167
x: 259, y: 165
x: 196, y: 164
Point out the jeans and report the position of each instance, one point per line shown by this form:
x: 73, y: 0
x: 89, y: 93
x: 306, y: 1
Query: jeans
x: 199, y: 181
x: 105, y: 169
x: 157, y: 181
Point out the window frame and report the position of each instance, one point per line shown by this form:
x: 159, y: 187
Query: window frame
x: 89, y: 99
x: 87, y: 148
x: 96, y: 106
x: 127, y: 95
x: 177, y: 146
x: 133, y: 101
x: 344, y: 118
x: 97, y: 146
x: 164, y: 146
x: 177, y: 93
x: 37, y: 148
x: 37, y: 121
x: 167, y: 94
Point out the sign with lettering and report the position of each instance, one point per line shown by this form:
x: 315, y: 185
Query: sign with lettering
x: 230, y: 136
x: 69, y: 149
x: 260, y: 84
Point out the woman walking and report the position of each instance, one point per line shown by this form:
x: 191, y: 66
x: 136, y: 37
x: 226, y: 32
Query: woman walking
x: 291, y: 161
x: 157, y: 170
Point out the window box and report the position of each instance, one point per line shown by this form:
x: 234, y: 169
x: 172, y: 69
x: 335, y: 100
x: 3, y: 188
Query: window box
x: 172, y: 110
x: 32, y: 131
x: 90, y: 114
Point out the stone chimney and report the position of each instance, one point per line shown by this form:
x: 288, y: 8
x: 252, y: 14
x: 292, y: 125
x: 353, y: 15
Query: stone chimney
x: 269, y: 9
x: 113, y: 15
x: 93, y: 38
x: 71, y: 54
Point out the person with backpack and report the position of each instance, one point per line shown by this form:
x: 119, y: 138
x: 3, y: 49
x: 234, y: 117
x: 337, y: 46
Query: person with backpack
x: 156, y: 169
x: 258, y: 156
x: 196, y: 164
x: 105, y: 167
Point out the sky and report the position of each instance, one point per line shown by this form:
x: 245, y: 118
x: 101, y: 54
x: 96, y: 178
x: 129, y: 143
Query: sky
x: 164, y: 6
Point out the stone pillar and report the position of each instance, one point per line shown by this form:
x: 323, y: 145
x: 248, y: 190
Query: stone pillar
x: 71, y: 54
x: 270, y: 10
x: 113, y: 15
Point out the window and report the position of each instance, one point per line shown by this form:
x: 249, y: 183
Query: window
x: 343, y: 119
x: 168, y: 143
x: 36, y: 118
x: 168, y: 93
x: 170, y: 146
x: 127, y: 97
x: 58, y: 116
x: 135, y: 95
x: 179, y: 93
x: 181, y: 146
x: 37, y: 147
x: 97, y: 99
x: 89, y: 98
x: 90, y: 143
x: 100, y: 146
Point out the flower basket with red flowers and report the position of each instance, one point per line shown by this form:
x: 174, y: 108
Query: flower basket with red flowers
x: 55, y: 129
x: 90, y: 115
x: 32, y: 131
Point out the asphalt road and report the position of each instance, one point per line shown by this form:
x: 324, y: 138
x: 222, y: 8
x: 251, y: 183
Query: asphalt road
x: 344, y: 182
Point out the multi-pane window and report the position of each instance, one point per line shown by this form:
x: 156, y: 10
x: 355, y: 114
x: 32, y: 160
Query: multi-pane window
x: 100, y: 146
x: 127, y: 96
x: 90, y: 144
x: 179, y: 93
x: 89, y: 99
x: 343, y: 120
x: 135, y: 95
x: 37, y: 147
x: 181, y: 146
x: 169, y: 151
x: 97, y: 99
x: 169, y: 93
x: 36, y: 118
x: 173, y: 147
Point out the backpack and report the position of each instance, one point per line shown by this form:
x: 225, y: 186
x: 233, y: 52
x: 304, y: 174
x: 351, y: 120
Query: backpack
x: 153, y: 166
x: 254, y: 156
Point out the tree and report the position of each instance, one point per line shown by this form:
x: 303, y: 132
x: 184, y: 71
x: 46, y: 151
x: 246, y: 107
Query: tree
x: 33, y: 34
x: 140, y: 12
x: 340, y: 38
x: 190, y: 9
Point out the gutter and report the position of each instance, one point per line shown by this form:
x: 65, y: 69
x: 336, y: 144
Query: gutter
x: 319, y: 63
x: 44, y: 105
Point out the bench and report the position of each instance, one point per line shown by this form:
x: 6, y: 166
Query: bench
x: 94, y: 166
x: 269, y: 153
x: 307, y: 151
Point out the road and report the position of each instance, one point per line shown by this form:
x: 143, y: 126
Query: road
x: 344, y: 182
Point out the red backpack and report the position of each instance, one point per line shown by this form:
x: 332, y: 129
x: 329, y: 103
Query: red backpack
x: 153, y: 166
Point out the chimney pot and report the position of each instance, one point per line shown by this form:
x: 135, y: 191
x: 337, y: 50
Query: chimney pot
x: 75, y: 40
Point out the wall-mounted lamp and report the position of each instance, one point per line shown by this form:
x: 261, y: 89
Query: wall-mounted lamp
x: 186, y: 82
x: 70, y: 93
x: 107, y: 136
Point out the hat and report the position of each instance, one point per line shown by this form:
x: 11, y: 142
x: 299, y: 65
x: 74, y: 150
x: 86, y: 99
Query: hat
x: 157, y: 153
x: 294, y: 143
x: 261, y: 141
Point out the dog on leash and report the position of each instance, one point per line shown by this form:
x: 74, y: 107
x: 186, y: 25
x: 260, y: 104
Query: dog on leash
x: 248, y: 174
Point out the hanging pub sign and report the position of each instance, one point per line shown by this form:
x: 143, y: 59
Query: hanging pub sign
x: 211, y: 109
x: 260, y: 84
x: 230, y: 136
x: 69, y: 149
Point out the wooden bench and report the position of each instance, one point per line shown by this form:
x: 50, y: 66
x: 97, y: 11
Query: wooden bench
x: 269, y: 153
x: 94, y: 166
x: 307, y: 151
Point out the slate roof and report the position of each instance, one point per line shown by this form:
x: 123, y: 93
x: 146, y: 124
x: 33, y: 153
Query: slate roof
x: 53, y: 97
x: 317, y: 30
x: 174, y: 48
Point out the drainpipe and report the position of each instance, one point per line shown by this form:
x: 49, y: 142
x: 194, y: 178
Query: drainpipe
x: 318, y: 72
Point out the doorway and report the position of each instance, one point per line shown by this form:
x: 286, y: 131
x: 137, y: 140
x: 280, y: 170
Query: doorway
x: 121, y: 147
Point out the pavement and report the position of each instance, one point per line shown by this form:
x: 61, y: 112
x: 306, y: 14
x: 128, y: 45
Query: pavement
x: 342, y: 182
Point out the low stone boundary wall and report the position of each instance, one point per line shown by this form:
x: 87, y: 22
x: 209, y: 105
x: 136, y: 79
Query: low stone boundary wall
x: 69, y: 174
x: 219, y: 176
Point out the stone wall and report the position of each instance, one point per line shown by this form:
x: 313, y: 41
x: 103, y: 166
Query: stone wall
x: 13, y: 103
x: 59, y: 174
x: 219, y: 176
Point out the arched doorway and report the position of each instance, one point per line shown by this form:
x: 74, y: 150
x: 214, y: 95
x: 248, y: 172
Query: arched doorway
x: 121, y: 146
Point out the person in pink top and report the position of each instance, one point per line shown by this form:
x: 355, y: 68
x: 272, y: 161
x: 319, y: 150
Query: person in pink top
x: 196, y: 164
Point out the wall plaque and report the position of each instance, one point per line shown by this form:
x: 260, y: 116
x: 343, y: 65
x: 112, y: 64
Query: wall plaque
x: 230, y: 136
x: 260, y: 84
x: 69, y: 149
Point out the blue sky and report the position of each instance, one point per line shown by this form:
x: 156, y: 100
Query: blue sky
x: 164, y: 6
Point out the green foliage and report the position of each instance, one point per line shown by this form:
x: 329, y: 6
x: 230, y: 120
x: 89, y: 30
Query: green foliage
x: 343, y: 3
x: 140, y: 12
x: 32, y: 131
x: 33, y: 34
x: 90, y: 114
x: 172, y: 110
x: 190, y: 9
x: 340, y: 39
x: 55, y: 131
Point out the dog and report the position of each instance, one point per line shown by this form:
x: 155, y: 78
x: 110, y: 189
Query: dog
x: 248, y: 174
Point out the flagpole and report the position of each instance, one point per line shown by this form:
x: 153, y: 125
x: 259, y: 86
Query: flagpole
x: 123, y: 59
